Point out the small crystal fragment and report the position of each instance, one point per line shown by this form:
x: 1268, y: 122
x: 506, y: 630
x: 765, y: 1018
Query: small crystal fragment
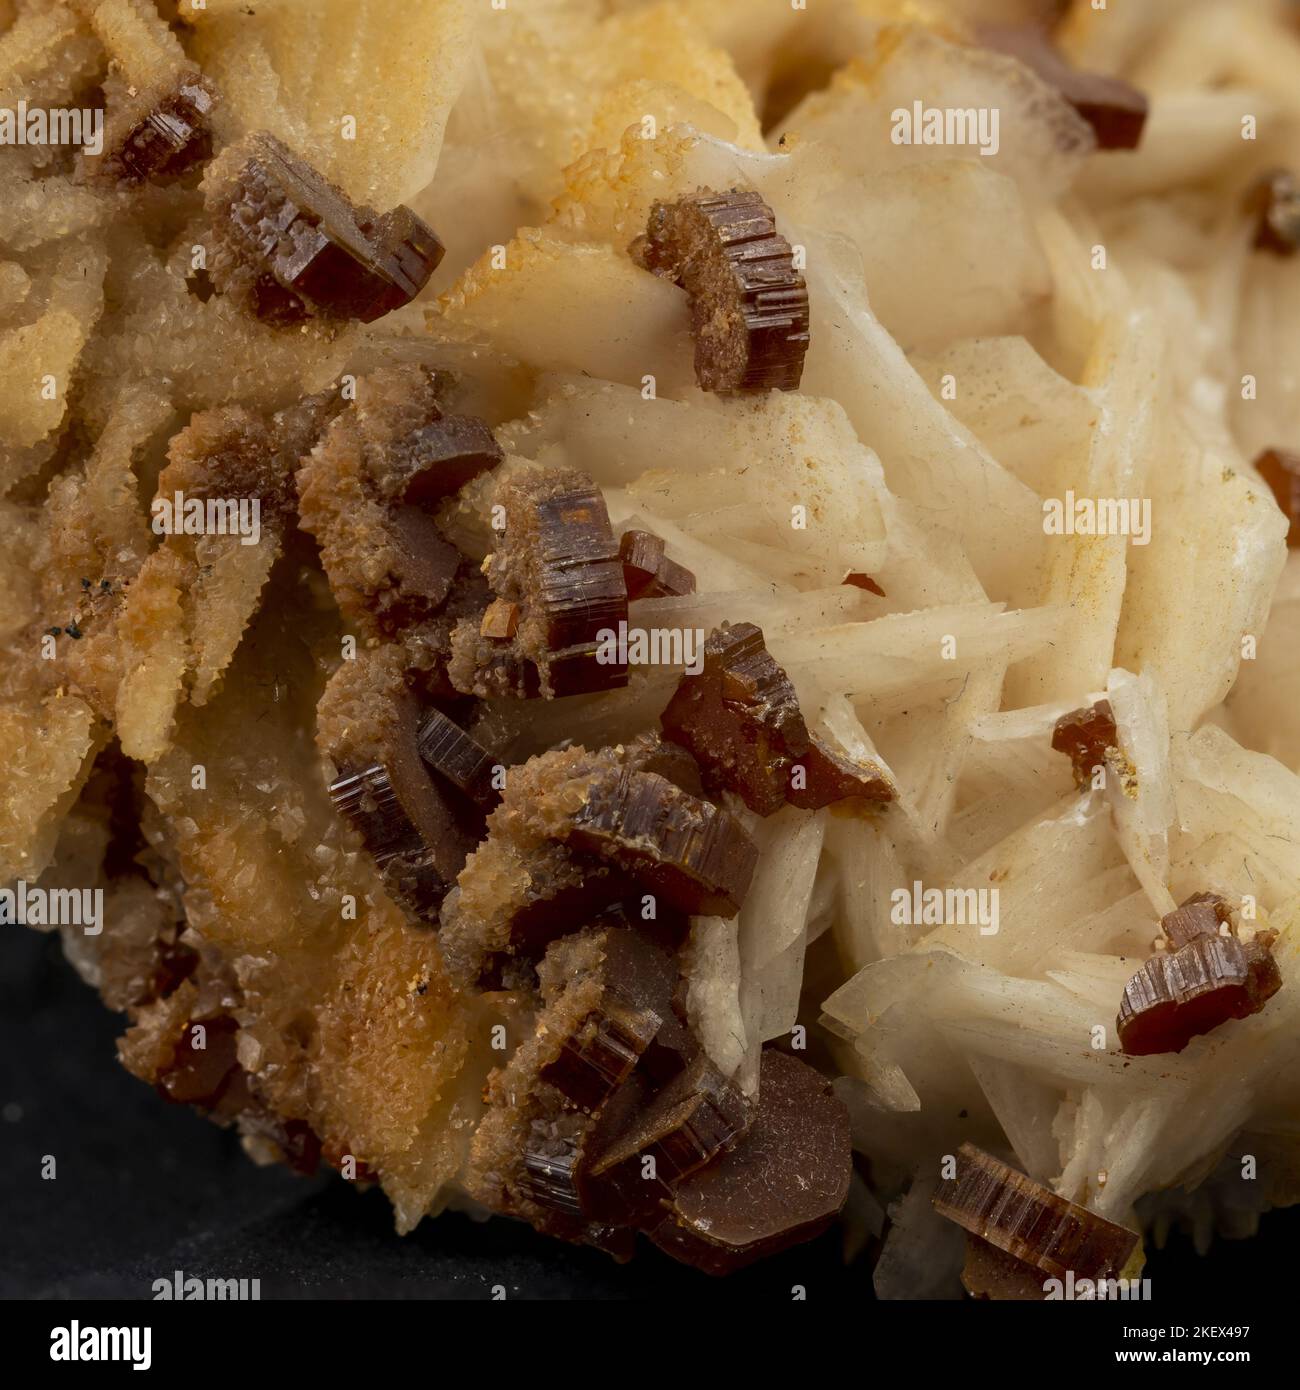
x: 687, y: 1124
x: 1200, y: 915
x: 1029, y: 1221
x: 740, y: 717
x: 1280, y: 469
x: 682, y: 1127
x: 201, y: 1075
x: 858, y: 580
x: 647, y: 571
x: 631, y: 1022
x: 461, y: 759
x: 289, y: 245
x: 600, y: 1056
x: 1116, y: 111
x: 606, y: 996
x: 749, y: 305
x: 648, y: 752
x: 829, y: 777
x: 500, y: 619
x: 368, y: 800
x: 1086, y: 735
x: 1275, y: 201
x: 783, y: 1182
x: 422, y: 567
x: 523, y: 887
x: 162, y: 135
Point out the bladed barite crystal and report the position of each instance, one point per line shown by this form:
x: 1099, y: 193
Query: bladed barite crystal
x: 289, y: 245
x: 748, y: 302
x: 1029, y: 1221
x: 1206, y: 978
x: 740, y: 717
x: 557, y: 563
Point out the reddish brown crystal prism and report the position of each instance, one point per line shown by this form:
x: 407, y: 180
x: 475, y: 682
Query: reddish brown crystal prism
x: 1029, y: 1221
x: 647, y: 571
x: 782, y: 1183
x: 417, y: 834
x: 289, y: 245
x: 749, y: 305
x: 437, y: 459
x: 1181, y: 994
x: 693, y: 853
x: 461, y: 759
x: 740, y: 718
x: 557, y: 564
x: 1085, y: 736
x: 822, y: 777
x: 164, y: 136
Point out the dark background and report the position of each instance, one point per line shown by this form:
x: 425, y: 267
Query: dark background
x: 145, y: 1188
